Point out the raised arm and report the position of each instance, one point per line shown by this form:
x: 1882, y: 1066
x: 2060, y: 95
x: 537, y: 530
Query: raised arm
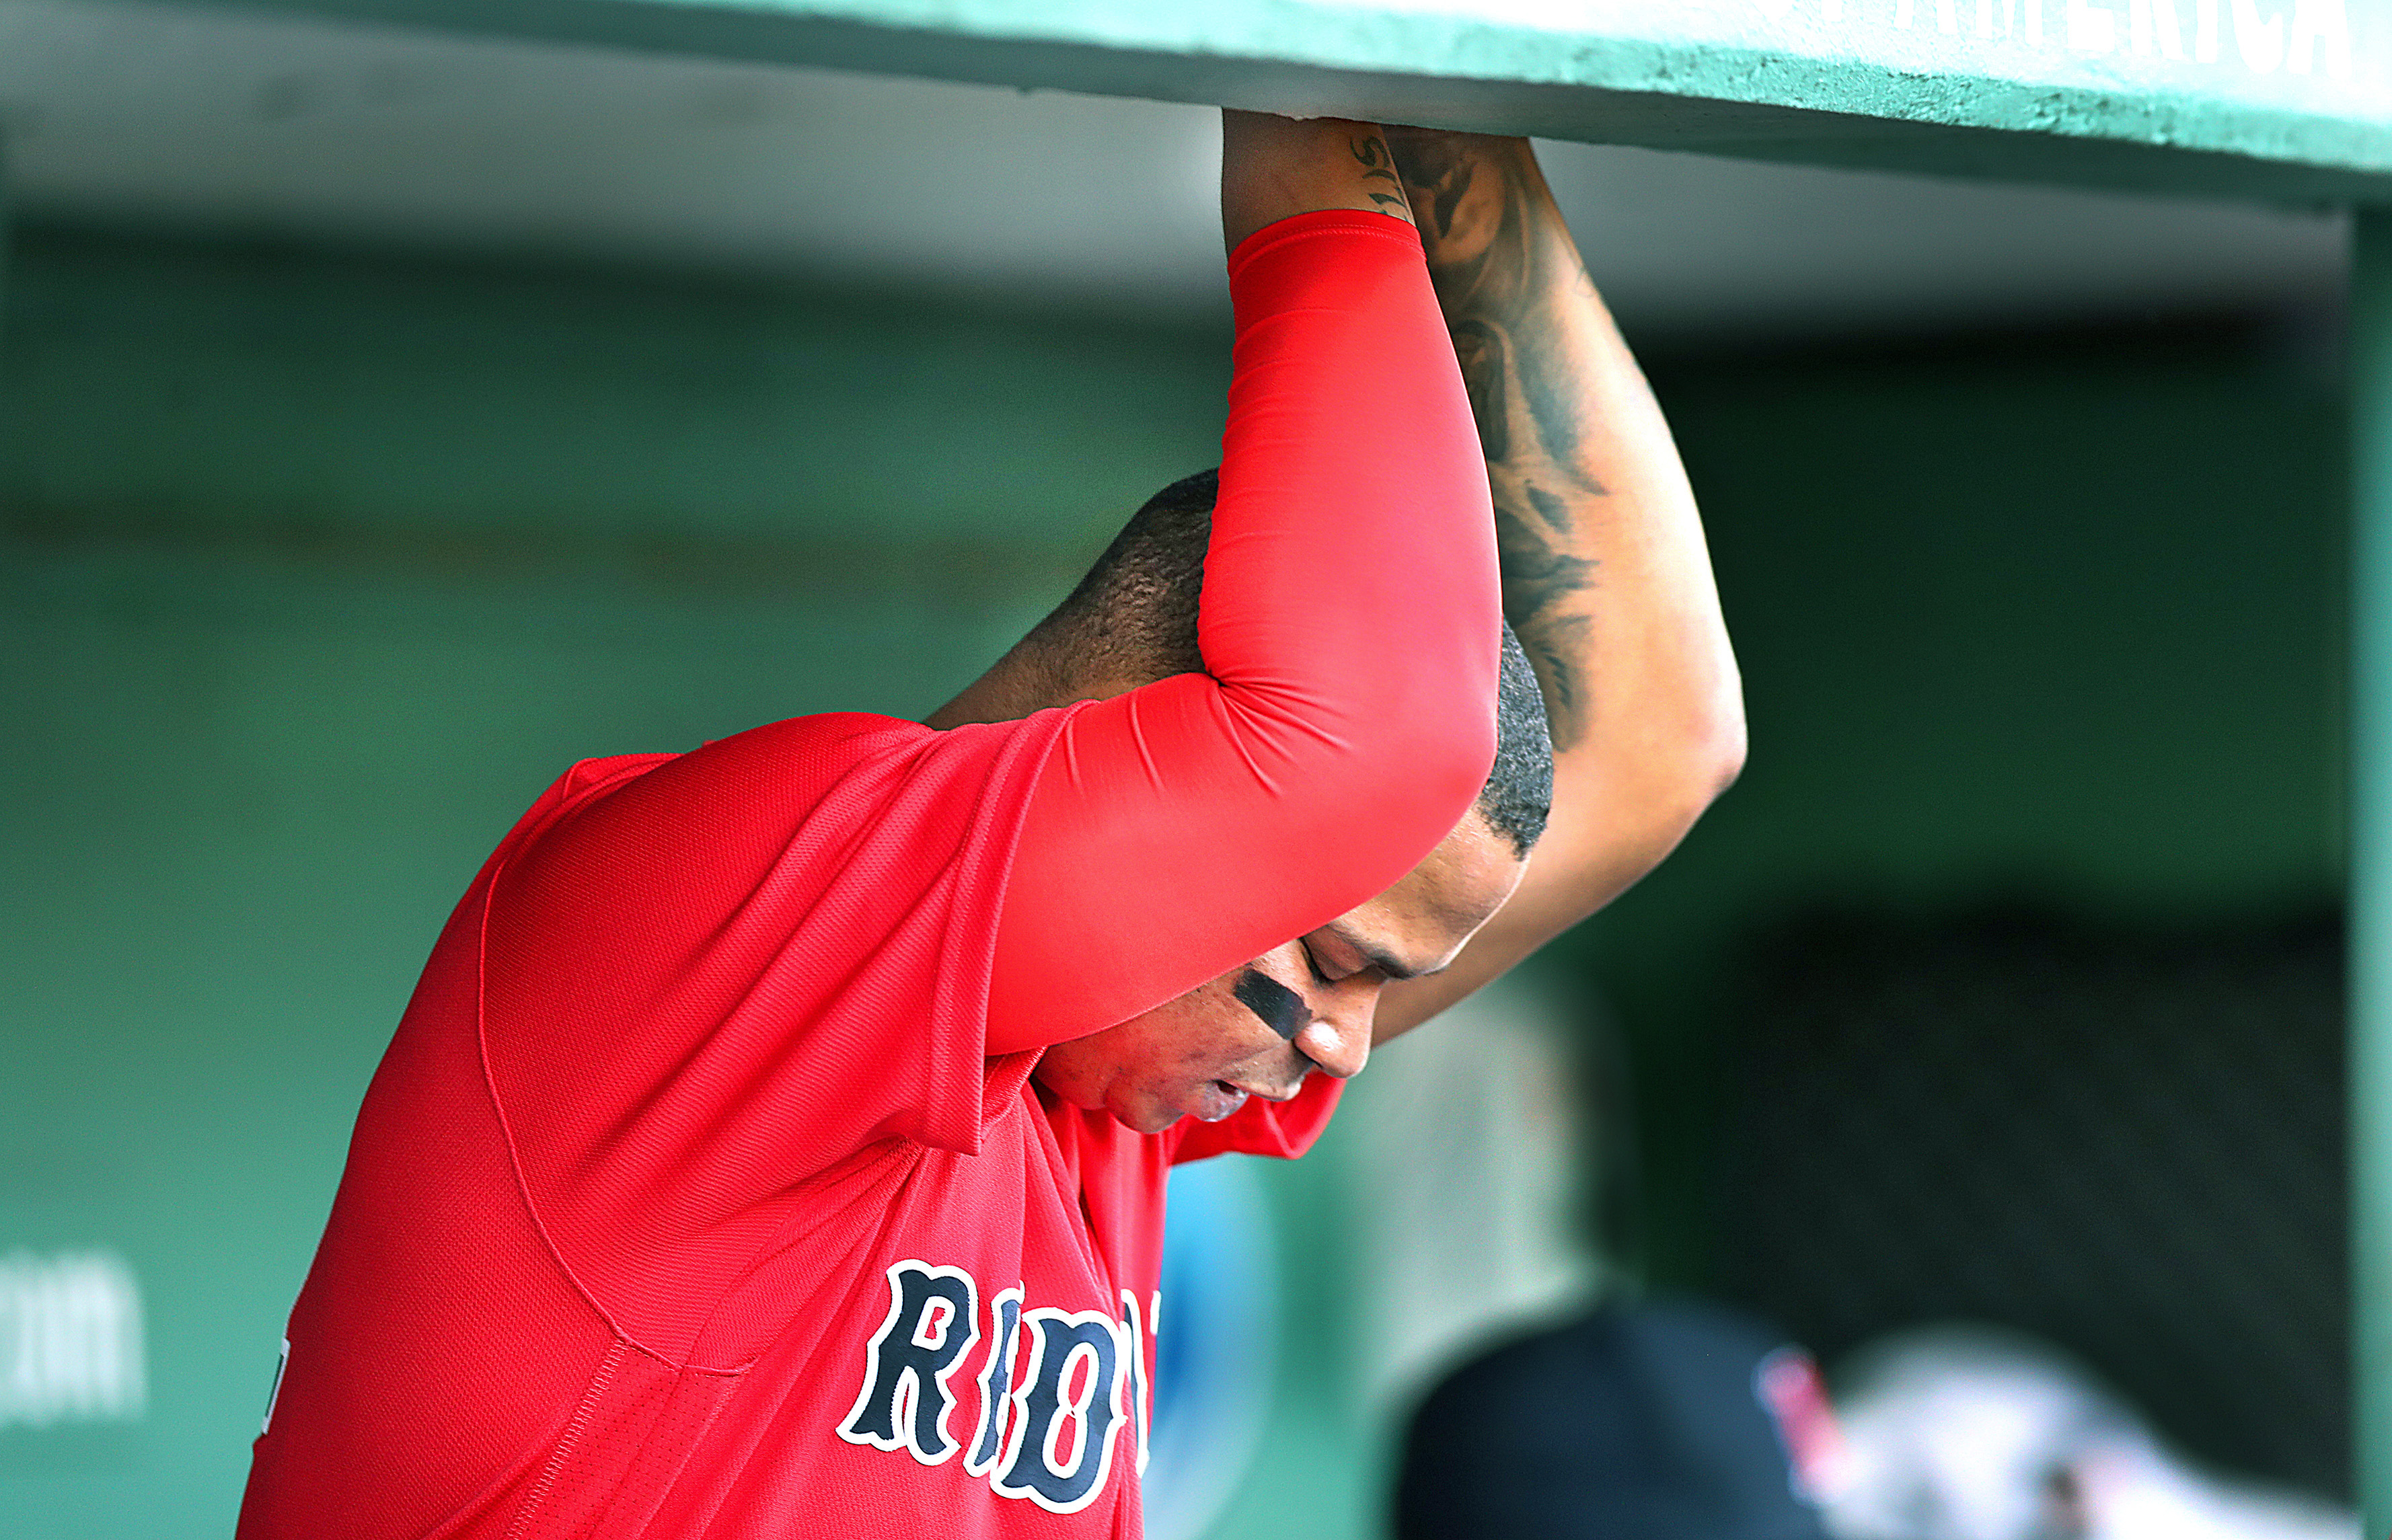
x: 1606, y: 577
x: 1274, y: 168
x: 1347, y: 622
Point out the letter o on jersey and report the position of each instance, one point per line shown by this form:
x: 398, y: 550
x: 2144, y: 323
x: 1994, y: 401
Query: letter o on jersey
x: 1067, y: 1411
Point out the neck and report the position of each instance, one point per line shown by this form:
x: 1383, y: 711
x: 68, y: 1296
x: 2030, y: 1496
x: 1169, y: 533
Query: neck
x: 1014, y: 689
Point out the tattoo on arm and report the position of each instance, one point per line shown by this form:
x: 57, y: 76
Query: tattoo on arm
x: 1541, y: 586
x: 1495, y: 280
x: 1429, y: 163
x: 1380, y: 165
x: 1478, y: 348
x: 1522, y: 412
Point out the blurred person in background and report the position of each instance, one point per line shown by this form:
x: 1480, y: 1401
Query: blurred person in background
x: 776, y: 1143
x: 1681, y: 1421
x: 1972, y: 1433
x: 1665, y: 1421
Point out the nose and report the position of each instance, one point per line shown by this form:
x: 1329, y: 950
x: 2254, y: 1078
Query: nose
x: 1337, y: 1039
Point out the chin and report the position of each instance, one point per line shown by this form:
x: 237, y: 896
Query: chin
x: 1149, y: 1119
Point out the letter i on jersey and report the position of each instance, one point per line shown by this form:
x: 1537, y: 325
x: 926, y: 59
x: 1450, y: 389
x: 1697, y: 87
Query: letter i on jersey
x: 933, y: 1320
x: 995, y: 1382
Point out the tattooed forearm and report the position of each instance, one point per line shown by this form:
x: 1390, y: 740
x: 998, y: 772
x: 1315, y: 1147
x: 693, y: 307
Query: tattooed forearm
x: 1597, y: 540
x: 1432, y: 165
x: 1543, y: 589
x: 1498, y: 281
x: 1379, y: 163
x: 1555, y: 511
x: 1480, y: 349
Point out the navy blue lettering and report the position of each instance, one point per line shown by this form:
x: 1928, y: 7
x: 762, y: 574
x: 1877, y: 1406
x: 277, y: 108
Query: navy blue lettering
x: 1064, y: 1416
x: 933, y: 1318
x: 995, y: 1381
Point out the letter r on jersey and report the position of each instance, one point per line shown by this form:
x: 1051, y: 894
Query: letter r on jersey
x: 933, y: 1320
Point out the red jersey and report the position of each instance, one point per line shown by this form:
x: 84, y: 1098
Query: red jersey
x: 947, y: 1321
x: 689, y: 1200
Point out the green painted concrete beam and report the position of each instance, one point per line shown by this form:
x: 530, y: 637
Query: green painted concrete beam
x: 2371, y: 896
x: 2283, y: 100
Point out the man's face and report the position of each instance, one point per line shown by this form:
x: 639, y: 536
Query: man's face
x: 1258, y: 1029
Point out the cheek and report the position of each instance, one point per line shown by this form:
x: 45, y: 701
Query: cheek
x: 1201, y: 1036
x: 1065, y: 1067
x: 1242, y: 1050
x: 1216, y: 1036
x: 1202, y: 1046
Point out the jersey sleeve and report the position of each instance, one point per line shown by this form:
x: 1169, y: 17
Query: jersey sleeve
x: 1283, y: 1131
x: 705, y: 983
x: 1348, y: 623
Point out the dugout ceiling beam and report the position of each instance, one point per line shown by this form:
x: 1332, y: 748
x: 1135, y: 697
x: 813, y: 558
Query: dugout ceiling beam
x: 2280, y: 99
x: 2371, y: 884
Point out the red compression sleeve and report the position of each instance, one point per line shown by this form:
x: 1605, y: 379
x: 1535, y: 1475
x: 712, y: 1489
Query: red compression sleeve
x: 1349, y: 627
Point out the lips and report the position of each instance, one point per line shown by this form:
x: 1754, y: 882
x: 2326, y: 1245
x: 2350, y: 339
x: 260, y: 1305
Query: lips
x: 1215, y: 1100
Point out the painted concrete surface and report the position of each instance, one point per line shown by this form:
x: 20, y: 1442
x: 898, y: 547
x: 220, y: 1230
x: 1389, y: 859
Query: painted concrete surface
x: 2370, y: 888
x: 295, y: 127
x: 2284, y: 98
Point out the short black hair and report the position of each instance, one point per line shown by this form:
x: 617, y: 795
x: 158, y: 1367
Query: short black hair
x: 1133, y: 617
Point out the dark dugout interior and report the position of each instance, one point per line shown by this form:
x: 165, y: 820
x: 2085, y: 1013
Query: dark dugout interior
x: 2007, y: 986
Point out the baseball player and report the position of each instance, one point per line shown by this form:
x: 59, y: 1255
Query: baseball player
x: 775, y: 1142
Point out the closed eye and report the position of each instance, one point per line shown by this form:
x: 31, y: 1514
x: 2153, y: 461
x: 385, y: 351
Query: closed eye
x: 1378, y: 960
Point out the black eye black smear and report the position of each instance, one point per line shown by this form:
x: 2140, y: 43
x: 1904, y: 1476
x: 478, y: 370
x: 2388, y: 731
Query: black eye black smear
x: 1281, y: 1009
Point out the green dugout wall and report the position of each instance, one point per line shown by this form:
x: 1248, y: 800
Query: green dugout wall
x: 2283, y: 101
